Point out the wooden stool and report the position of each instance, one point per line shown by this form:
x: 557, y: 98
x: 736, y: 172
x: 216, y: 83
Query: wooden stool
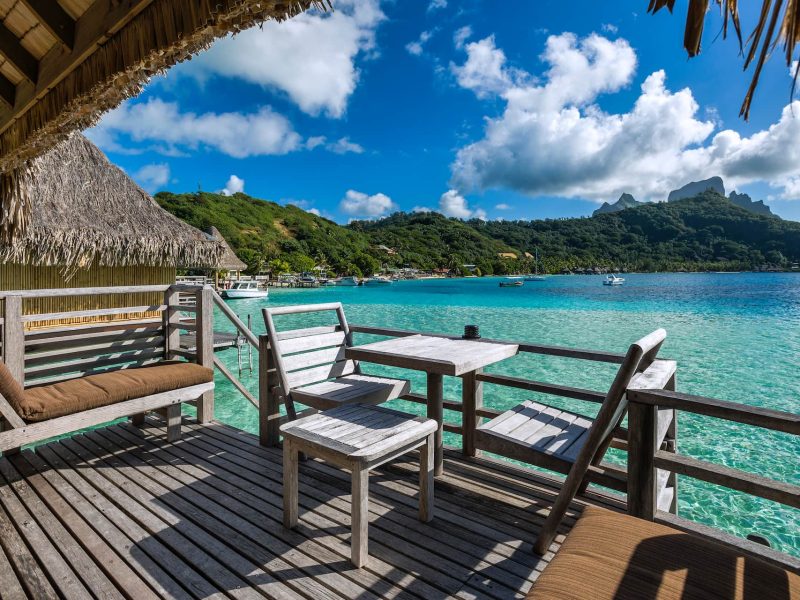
x: 358, y: 437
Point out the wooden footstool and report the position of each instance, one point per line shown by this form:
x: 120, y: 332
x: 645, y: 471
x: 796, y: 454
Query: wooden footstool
x: 358, y: 437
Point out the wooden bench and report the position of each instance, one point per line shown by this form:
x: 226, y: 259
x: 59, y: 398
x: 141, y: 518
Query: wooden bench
x: 359, y: 438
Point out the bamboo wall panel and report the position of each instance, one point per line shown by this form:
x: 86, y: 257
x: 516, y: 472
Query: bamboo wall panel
x: 26, y: 277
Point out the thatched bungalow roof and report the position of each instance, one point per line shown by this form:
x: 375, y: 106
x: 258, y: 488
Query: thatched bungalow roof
x: 229, y: 260
x: 65, y: 62
x: 85, y: 210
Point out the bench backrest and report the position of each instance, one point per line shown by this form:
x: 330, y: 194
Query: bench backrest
x: 309, y: 355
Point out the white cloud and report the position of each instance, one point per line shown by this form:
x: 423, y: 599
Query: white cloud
x: 453, y: 204
x: 461, y: 36
x: 314, y: 211
x: 437, y: 5
x: 485, y: 71
x: 415, y: 47
x: 503, y: 206
x: 153, y: 177
x: 359, y: 204
x: 345, y: 146
x: 553, y: 138
x: 310, y: 57
x: 609, y: 28
x: 421, y: 209
x: 235, y: 185
x: 236, y: 134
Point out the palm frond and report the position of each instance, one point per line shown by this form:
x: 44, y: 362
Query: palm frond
x: 778, y: 22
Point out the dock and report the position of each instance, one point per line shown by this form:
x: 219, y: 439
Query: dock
x: 118, y: 512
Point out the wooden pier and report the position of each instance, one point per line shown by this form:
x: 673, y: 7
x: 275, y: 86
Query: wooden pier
x: 118, y: 512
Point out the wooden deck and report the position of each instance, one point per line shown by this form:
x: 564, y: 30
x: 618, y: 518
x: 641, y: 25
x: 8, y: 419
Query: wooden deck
x: 118, y: 512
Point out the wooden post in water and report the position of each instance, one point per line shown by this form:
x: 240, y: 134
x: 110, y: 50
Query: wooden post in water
x: 205, y: 347
x: 642, y: 473
x: 269, y: 410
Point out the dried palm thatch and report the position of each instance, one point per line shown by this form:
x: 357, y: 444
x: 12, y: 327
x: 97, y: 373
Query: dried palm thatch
x: 86, y: 211
x: 162, y: 34
x: 778, y: 21
x: 229, y: 261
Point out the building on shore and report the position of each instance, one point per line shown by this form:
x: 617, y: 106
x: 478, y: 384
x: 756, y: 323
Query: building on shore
x: 90, y: 225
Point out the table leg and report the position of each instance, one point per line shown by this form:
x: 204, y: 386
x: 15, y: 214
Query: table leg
x: 471, y: 400
x: 435, y: 411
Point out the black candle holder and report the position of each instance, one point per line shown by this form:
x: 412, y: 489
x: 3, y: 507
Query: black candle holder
x: 471, y: 332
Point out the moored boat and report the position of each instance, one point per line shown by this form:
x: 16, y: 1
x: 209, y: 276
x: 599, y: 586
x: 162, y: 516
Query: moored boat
x: 348, y: 281
x: 245, y: 289
x: 378, y: 281
x: 613, y: 280
x: 512, y: 282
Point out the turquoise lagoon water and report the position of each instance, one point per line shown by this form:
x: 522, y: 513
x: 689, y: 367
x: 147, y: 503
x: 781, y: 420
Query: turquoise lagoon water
x: 735, y: 337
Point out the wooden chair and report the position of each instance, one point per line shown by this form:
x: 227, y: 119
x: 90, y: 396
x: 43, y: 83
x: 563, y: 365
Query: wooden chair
x: 312, y: 369
x: 570, y: 443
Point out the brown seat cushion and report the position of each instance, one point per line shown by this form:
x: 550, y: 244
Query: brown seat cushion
x: 612, y: 555
x: 76, y: 395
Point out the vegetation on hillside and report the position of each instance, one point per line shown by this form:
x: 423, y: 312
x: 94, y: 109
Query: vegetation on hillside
x: 703, y: 233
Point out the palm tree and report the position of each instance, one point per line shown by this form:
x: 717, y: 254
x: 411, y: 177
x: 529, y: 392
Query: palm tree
x: 779, y: 21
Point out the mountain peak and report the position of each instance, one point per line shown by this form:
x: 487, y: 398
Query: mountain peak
x: 625, y: 201
x: 695, y: 188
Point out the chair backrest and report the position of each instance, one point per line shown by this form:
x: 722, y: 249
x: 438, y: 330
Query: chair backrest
x: 310, y: 355
x: 639, y: 356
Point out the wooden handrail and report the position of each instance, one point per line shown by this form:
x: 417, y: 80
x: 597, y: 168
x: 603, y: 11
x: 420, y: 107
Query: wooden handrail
x: 233, y: 318
x: 87, y: 291
x: 543, y: 387
x: 593, y: 355
x: 765, y: 418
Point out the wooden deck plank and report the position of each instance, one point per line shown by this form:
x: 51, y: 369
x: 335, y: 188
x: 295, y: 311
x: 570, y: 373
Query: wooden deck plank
x: 11, y: 588
x: 82, y: 565
x: 122, y: 510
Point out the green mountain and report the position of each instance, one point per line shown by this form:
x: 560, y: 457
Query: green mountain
x: 707, y: 232
x: 700, y: 233
x: 625, y: 201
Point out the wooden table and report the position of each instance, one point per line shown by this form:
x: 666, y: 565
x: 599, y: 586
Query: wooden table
x: 438, y: 356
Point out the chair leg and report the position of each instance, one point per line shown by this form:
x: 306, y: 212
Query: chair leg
x: 560, y: 506
x: 360, y: 518
x: 290, y: 468
x: 426, y: 453
x: 173, y: 418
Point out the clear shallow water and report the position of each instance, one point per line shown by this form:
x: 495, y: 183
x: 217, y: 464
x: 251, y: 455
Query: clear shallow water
x: 735, y: 336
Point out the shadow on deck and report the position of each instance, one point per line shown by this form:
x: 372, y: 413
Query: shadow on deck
x: 118, y: 512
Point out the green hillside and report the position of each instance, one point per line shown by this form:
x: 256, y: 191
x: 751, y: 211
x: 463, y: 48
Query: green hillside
x: 704, y: 233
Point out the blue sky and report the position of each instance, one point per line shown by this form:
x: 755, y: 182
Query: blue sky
x: 515, y: 109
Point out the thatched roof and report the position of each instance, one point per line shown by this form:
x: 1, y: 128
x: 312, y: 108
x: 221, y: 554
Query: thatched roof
x: 778, y: 21
x: 85, y: 210
x: 66, y: 62
x: 229, y: 260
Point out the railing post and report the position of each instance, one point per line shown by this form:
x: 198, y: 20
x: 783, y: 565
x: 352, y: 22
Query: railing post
x: 205, y: 347
x: 642, y: 474
x: 672, y: 445
x: 269, y: 410
x: 14, y: 338
x: 471, y: 401
x: 171, y: 320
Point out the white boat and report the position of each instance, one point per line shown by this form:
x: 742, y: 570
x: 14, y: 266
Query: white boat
x: 348, y: 281
x: 613, y: 280
x: 535, y: 276
x: 332, y: 282
x: 245, y: 289
x: 377, y: 281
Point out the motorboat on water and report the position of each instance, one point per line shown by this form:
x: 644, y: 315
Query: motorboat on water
x: 378, y: 281
x: 245, y: 289
x: 613, y: 280
x: 348, y: 281
x: 512, y: 282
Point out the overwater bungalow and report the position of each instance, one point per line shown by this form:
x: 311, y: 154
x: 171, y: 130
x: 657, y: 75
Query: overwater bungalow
x: 89, y: 225
x: 231, y: 264
x: 108, y: 490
